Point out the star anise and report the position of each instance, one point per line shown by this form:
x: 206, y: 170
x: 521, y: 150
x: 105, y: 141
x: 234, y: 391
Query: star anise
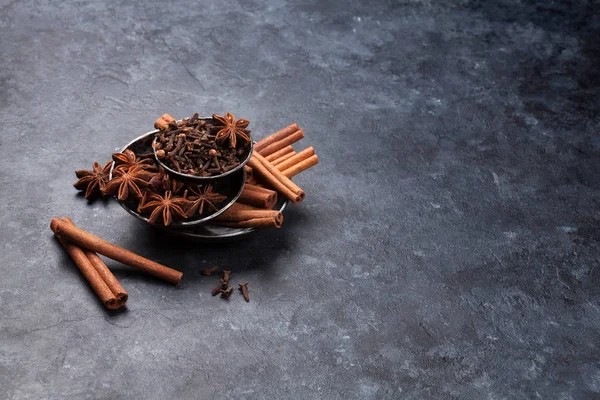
x: 127, y: 182
x: 203, y: 197
x: 165, y: 206
x: 162, y: 181
x: 94, y: 181
x: 143, y: 200
x: 232, y: 129
x: 127, y: 159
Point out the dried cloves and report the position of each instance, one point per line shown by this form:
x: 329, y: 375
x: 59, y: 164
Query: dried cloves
x: 216, y: 290
x: 205, y: 271
x: 226, y: 275
x: 193, y: 146
x: 225, y: 293
x: 243, y: 287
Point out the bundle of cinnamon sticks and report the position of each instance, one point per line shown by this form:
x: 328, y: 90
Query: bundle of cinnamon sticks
x: 274, y: 161
x: 83, y: 247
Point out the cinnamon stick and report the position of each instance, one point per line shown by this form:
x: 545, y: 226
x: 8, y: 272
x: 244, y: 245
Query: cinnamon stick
x: 107, y: 276
x: 303, y: 155
x: 87, y: 240
x: 258, y: 196
x: 249, y: 223
x: 89, y: 272
x: 276, y: 179
x: 280, y: 144
x: 237, y: 213
x: 275, y: 137
x: 301, y: 166
x: 279, y: 153
x: 249, y: 174
x: 283, y: 158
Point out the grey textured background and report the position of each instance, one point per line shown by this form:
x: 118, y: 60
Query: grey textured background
x: 448, y: 246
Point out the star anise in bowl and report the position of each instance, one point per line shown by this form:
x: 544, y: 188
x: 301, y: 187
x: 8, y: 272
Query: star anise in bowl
x: 154, y: 195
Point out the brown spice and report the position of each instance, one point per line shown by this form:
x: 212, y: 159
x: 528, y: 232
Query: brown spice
x: 243, y: 287
x: 86, y: 240
x: 164, y: 121
x: 284, y: 157
x: 226, y: 275
x: 301, y: 166
x: 275, y: 178
x: 237, y: 213
x: 258, y: 196
x: 107, y: 276
x: 165, y: 207
x: 209, y: 271
x: 275, y: 137
x: 217, y: 289
x: 93, y: 182
x: 107, y: 297
x: 203, y: 147
x: 128, y: 183
x: 272, y: 148
x: 279, y: 153
x: 226, y: 292
x: 295, y: 159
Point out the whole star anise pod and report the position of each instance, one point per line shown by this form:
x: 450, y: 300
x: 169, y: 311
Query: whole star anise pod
x: 165, y: 207
x: 203, y: 197
x: 94, y: 181
x: 127, y: 159
x: 232, y: 129
x: 127, y: 182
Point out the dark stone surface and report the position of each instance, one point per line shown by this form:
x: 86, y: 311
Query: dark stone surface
x: 449, y: 243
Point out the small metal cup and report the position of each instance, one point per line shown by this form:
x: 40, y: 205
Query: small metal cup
x: 205, y: 179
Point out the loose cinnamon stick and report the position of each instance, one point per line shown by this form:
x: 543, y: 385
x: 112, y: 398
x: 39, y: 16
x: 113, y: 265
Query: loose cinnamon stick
x: 236, y: 213
x: 283, y: 158
x: 301, y: 166
x: 87, y: 240
x: 258, y: 196
x: 108, y: 277
x: 89, y: 272
x: 280, y: 144
x: 275, y: 137
x: 279, y: 153
x: 275, y: 178
x: 303, y: 155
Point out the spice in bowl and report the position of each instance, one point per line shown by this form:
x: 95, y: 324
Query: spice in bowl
x: 202, y: 148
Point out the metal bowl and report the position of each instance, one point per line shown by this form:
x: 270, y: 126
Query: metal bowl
x: 231, y: 186
x: 205, y: 179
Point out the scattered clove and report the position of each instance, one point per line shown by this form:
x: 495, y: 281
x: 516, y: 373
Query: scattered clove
x: 217, y: 289
x: 243, y: 287
x: 226, y: 276
x: 210, y: 270
x: 226, y: 292
x: 223, y: 288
